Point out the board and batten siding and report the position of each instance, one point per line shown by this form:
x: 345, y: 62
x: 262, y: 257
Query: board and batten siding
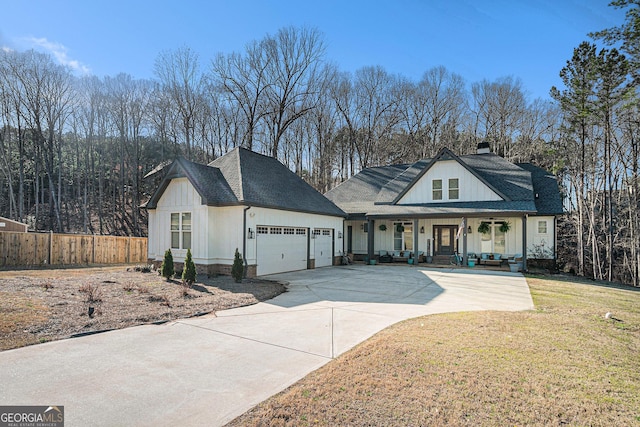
x: 179, y: 196
x: 216, y: 232
x: 383, y: 240
x: 541, y: 244
x: 226, y: 229
x: 270, y: 217
x: 470, y: 187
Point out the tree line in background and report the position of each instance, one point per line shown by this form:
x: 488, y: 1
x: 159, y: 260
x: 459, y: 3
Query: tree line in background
x: 74, y: 151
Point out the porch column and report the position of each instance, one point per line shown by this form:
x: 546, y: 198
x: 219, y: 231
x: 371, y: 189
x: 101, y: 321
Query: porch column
x: 371, y: 231
x: 416, y: 259
x: 524, y: 243
x: 464, y: 241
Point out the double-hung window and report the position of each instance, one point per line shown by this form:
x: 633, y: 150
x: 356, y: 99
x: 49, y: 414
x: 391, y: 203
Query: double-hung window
x: 436, y: 188
x: 454, y: 191
x: 181, y: 230
x: 542, y: 227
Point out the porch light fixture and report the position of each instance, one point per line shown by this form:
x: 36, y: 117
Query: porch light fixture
x: 250, y: 234
x: 339, y: 234
x: 469, y: 230
x: 422, y: 230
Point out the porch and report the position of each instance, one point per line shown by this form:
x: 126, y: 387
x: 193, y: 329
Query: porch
x: 440, y: 261
x: 489, y: 241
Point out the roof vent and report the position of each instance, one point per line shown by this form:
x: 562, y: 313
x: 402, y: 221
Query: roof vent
x: 484, y: 148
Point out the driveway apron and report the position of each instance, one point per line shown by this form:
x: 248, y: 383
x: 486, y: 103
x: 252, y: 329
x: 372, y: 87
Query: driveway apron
x: 208, y: 370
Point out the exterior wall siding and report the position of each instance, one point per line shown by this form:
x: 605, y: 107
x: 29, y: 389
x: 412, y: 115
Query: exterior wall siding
x: 541, y: 245
x: 383, y: 240
x: 7, y: 224
x: 180, y: 196
x: 470, y: 187
x: 264, y: 216
x: 216, y: 232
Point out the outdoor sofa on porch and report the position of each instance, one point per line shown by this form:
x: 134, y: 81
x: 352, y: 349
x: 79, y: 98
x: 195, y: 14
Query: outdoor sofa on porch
x: 399, y: 256
x: 494, y: 259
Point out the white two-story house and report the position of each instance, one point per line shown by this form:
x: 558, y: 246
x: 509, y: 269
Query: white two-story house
x: 480, y: 205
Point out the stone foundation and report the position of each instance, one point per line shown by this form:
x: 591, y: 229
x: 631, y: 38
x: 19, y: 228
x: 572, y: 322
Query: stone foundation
x: 207, y: 270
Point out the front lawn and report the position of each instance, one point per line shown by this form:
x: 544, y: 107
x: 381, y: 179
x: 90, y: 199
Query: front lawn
x: 563, y: 363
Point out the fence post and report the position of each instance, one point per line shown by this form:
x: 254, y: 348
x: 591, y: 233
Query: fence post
x: 50, y: 247
x: 93, y: 250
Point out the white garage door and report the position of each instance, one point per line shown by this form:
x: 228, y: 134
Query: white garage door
x: 323, y: 243
x: 281, y: 249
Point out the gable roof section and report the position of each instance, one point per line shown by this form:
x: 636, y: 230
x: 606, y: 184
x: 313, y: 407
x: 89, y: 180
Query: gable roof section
x: 242, y: 177
x: 208, y: 182
x: 419, y: 170
x: 376, y: 191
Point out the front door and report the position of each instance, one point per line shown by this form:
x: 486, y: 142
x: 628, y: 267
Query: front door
x: 444, y: 239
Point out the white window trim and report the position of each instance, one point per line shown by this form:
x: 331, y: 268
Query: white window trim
x: 546, y: 227
x: 433, y: 189
x: 180, y: 230
x: 403, y: 234
x: 449, y: 188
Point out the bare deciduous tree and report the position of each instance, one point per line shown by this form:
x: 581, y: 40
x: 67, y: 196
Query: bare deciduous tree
x: 179, y: 73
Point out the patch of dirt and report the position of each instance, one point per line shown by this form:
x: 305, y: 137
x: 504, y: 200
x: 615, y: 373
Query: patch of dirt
x: 44, y: 305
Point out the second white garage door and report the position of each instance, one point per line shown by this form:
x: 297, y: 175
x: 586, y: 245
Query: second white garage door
x: 281, y: 249
x: 323, y: 244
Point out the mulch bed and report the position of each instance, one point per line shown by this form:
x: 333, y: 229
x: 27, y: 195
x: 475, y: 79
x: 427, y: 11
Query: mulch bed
x: 44, y: 305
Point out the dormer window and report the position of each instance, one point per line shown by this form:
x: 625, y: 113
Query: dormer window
x: 436, y: 186
x: 454, y: 191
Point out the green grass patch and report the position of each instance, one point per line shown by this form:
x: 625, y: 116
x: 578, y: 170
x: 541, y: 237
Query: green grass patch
x: 560, y: 364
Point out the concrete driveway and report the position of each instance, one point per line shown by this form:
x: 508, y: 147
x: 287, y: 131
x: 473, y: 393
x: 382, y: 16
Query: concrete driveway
x: 208, y: 370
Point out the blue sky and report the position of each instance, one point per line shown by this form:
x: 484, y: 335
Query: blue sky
x: 529, y: 39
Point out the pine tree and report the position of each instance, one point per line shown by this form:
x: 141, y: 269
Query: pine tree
x: 237, y: 270
x: 189, y: 273
x: 167, y: 265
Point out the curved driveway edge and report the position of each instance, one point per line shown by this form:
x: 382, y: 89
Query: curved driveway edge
x: 209, y: 370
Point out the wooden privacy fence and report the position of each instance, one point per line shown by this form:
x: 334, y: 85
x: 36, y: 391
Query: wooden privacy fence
x: 40, y: 249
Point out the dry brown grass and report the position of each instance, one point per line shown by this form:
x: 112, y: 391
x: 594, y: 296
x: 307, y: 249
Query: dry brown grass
x: 18, y: 313
x: 562, y: 364
x: 44, y: 305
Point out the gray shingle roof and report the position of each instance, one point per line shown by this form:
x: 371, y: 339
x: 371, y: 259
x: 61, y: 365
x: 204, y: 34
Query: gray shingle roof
x: 494, y: 207
x: 375, y: 191
x: 242, y: 177
x: 545, y: 186
x: 396, y: 186
x: 362, y: 189
x: 506, y: 178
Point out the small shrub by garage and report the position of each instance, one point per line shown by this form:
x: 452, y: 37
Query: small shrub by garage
x: 237, y: 270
